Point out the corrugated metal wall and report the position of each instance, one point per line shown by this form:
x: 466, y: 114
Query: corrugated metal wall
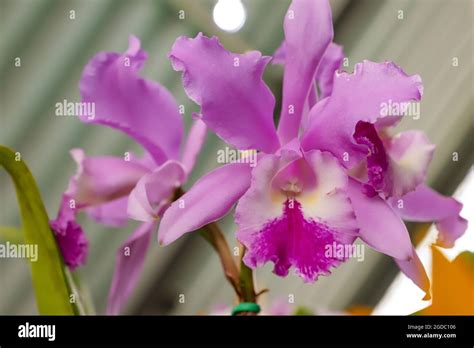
x: 54, y: 48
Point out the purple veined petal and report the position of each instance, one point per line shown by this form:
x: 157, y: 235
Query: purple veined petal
x: 209, y: 199
x: 308, y: 33
x: 70, y: 237
x: 330, y: 63
x: 425, y: 205
x: 410, y: 153
x: 113, y: 213
x: 294, y: 229
x: 154, y: 191
x: 235, y: 102
x: 379, y: 225
x: 105, y: 178
x: 141, y: 108
x: 415, y: 270
x: 194, y: 143
x: 129, y: 263
x: 357, y: 97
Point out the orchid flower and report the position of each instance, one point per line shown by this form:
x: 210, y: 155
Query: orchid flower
x: 112, y: 189
x: 327, y: 174
x: 70, y: 237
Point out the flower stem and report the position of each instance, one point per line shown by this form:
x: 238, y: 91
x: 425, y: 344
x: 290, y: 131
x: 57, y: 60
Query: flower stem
x: 247, y: 287
x: 246, y: 283
x: 214, y: 236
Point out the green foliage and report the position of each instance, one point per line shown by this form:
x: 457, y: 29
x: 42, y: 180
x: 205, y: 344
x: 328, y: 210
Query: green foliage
x: 49, y: 271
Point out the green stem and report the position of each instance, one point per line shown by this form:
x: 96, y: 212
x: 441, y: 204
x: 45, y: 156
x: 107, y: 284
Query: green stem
x: 246, y: 283
x: 247, y: 287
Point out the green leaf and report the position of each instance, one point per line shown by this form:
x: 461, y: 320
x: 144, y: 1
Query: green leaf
x: 48, y: 272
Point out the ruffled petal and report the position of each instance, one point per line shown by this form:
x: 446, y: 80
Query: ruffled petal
x: 103, y: 179
x: 414, y: 269
x: 294, y: 212
x: 154, y: 191
x: 426, y: 205
x: 210, y: 198
x: 70, y: 237
x: 141, y: 108
x: 308, y: 32
x: 380, y: 226
x: 235, y: 102
x: 129, y: 263
x: 194, y: 143
x: 357, y: 97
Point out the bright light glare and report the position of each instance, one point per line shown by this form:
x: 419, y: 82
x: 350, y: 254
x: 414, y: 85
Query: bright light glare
x: 229, y: 15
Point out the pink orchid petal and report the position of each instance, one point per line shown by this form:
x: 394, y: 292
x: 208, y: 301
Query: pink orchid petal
x: 71, y: 239
x: 280, y: 54
x: 141, y: 108
x: 103, y: 179
x: 129, y: 263
x: 450, y: 229
x: 308, y: 33
x: 426, y: 205
x: 113, y: 213
x: 210, y: 198
x: 154, y: 191
x: 69, y: 235
x: 415, y: 270
x: 380, y: 226
x: 330, y: 63
x: 235, y: 102
x: 293, y: 211
x: 410, y: 154
x: 194, y: 143
x: 357, y: 97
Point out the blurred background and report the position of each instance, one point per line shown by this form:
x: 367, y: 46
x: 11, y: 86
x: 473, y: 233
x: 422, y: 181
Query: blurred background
x: 433, y: 38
